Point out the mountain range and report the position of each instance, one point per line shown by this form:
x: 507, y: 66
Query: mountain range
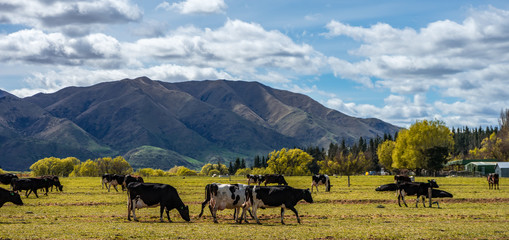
x: 159, y: 124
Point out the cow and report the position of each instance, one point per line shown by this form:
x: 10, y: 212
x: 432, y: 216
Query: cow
x: 141, y: 195
x: 9, y: 196
x: 113, y: 179
x: 6, y: 178
x: 415, y: 188
x: 435, y: 193
x: 224, y: 196
x: 285, y: 197
x: 131, y: 178
x: 30, y: 185
x: 493, y: 181
x: 54, y: 181
x: 387, y: 187
x: 275, y: 178
x: 319, y: 180
x: 256, y: 179
x: 402, y: 178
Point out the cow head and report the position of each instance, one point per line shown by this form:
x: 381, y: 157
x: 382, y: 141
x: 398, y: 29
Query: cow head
x: 433, y: 183
x: 15, y: 198
x: 61, y: 187
x: 307, y: 196
x: 184, y: 212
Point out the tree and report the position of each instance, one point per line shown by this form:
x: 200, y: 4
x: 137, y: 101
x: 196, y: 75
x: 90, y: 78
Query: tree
x: 384, y: 153
x: 412, y: 144
x: 289, y: 162
x: 350, y: 164
x: 89, y: 169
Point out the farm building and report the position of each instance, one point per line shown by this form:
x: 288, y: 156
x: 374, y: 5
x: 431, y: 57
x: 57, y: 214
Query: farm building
x: 502, y: 169
x: 459, y: 165
x: 481, y: 167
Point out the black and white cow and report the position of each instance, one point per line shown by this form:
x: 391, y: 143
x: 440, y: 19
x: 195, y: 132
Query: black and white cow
x: 142, y: 195
x: 415, y: 188
x: 275, y: 178
x: 131, y: 178
x: 6, y: 178
x: 105, y: 180
x: 30, y: 185
x: 9, y: 196
x: 224, y: 196
x: 113, y: 180
x: 276, y: 196
x: 256, y: 179
x: 322, y: 179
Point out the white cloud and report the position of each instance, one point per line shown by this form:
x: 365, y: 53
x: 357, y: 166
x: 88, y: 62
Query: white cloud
x: 73, y: 17
x: 195, y: 6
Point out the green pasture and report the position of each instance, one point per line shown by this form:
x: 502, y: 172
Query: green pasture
x: 85, y: 211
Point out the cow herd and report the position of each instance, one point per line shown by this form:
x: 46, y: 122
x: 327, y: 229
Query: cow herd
x: 242, y: 198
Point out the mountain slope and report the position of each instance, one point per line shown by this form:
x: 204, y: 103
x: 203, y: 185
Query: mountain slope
x: 177, y: 122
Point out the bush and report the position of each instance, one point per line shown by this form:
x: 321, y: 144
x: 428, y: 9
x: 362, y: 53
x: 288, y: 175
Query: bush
x: 221, y: 169
x: 243, y: 171
x: 54, y: 166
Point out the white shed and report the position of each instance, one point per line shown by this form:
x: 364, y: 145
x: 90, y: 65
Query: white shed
x: 502, y: 168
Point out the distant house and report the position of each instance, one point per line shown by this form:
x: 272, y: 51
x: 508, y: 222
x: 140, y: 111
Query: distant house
x: 483, y: 168
x: 459, y: 165
x: 502, y: 169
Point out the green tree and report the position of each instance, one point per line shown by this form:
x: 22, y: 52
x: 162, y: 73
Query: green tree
x: 384, y: 153
x: 289, y: 162
x: 412, y: 144
x: 350, y: 164
x: 89, y: 169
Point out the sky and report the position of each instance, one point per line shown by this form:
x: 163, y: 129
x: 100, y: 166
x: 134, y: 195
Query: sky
x: 400, y: 61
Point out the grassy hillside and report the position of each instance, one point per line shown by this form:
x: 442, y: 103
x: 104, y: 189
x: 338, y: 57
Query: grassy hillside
x: 85, y: 211
x: 154, y: 157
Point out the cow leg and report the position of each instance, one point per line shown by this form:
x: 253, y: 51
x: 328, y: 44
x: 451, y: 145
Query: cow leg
x: 202, y: 207
x: 129, y: 204
x: 296, y: 213
x: 27, y: 192
x: 255, y: 208
x: 168, y: 215
x: 133, y: 209
x: 282, y: 215
x: 214, y: 212
x: 236, y: 214
x: 161, y: 213
x: 115, y: 186
x: 35, y: 192
x: 46, y: 192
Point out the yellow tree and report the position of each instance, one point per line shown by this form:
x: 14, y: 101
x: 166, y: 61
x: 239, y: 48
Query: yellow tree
x: 384, y: 153
x: 415, y: 147
x: 289, y: 162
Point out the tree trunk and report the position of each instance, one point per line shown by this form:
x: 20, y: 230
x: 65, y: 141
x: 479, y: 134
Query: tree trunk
x: 348, y: 180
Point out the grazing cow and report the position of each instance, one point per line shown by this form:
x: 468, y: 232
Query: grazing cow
x: 402, y: 178
x: 256, y: 179
x: 415, y: 188
x: 6, y: 178
x: 493, y: 181
x: 9, y: 196
x: 319, y: 180
x: 113, y: 179
x: 387, y: 187
x: 54, y: 181
x: 105, y: 180
x: 224, y: 196
x: 141, y: 195
x: 30, y: 185
x: 275, y: 178
x: 276, y: 196
x: 131, y: 178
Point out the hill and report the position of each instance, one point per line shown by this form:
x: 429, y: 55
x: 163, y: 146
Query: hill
x: 186, y: 122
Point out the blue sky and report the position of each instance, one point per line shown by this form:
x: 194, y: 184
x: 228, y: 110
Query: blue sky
x: 399, y: 61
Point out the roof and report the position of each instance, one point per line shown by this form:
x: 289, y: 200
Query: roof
x: 503, y: 164
x: 467, y: 161
x: 483, y: 163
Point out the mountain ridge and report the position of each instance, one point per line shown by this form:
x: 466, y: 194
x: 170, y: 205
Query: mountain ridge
x: 210, y: 120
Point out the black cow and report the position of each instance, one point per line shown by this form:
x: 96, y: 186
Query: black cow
x: 141, y: 195
x: 105, y: 180
x: 256, y: 179
x: 319, y: 180
x: 54, y: 181
x: 131, y: 178
x: 276, y: 196
x: 6, y: 178
x: 275, y: 178
x: 30, y: 185
x: 415, y: 188
x: 387, y: 187
x: 9, y: 196
x: 402, y: 178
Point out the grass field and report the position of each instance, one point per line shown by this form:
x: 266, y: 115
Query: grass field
x: 85, y: 211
